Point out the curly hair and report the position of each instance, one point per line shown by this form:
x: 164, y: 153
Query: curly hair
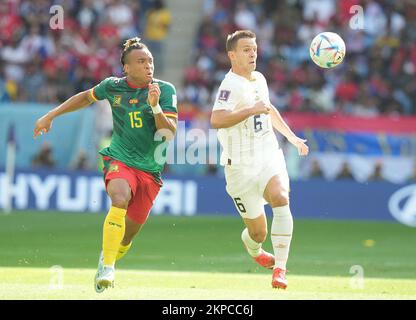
x: 129, y: 45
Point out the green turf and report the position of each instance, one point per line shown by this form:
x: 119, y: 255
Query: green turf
x: 321, y: 257
x: 325, y: 248
x: 39, y: 283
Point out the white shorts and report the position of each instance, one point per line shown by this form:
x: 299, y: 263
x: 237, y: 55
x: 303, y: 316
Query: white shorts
x: 246, y: 185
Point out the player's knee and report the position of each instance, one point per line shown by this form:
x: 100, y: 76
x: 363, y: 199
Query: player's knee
x: 281, y: 199
x: 259, y: 235
x: 120, y: 200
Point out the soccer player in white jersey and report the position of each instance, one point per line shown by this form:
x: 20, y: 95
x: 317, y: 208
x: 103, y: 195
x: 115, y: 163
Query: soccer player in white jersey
x: 255, y: 168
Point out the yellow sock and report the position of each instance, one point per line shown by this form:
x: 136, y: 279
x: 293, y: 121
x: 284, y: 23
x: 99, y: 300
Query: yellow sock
x: 113, y: 233
x: 122, y: 250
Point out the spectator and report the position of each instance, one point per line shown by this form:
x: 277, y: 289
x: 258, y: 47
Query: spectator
x: 44, y: 65
x: 81, y: 163
x: 366, y: 107
x: 244, y: 17
x: 320, y: 10
x: 212, y: 169
x: 377, y: 174
x: 87, y: 50
x: 4, y: 92
x: 157, y: 27
x: 348, y: 89
x: 44, y: 158
x: 87, y: 14
x: 316, y: 171
x: 14, y: 56
x: 10, y: 23
x: 369, y: 57
x: 413, y: 177
x: 121, y: 16
x: 33, y: 83
x: 345, y: 172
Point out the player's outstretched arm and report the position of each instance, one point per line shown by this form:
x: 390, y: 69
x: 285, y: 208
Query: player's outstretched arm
x: 227, y: 118
x: 76, y: 102
x: 280, y: 125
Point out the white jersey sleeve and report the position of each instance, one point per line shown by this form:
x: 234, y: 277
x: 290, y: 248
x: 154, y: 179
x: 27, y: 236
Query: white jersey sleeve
x: 228, y: 96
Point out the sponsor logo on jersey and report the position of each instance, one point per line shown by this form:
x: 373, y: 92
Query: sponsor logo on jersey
x: 117, y: 101
x: 133, y: 101
x: 224, y: 95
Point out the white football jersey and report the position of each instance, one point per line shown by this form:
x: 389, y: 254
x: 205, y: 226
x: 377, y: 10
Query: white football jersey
x: 251, y: 141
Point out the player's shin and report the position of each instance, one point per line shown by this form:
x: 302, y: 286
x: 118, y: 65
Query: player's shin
x: 122, y: 250
x: 113, y: 233
x: 253, y: 247
x: 281, y: 235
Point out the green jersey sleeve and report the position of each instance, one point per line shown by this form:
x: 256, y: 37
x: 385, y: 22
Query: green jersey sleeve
x: 99, y: 92
x: 168, y: 100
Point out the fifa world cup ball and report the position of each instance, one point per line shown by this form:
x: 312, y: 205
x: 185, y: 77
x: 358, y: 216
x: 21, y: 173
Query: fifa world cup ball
x: 327, y: 50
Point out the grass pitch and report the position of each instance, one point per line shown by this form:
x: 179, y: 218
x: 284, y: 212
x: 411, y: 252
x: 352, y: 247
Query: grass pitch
x: 203, y: 258
x: 42, y: 283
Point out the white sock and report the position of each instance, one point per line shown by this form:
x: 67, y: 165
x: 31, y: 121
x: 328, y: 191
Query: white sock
x: 281, y: 234
x: 253, y: 247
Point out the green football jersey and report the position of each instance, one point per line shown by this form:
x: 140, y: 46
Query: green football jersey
x: 133, y: 141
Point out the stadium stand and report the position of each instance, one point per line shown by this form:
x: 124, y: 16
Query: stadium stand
x: 47, y: 66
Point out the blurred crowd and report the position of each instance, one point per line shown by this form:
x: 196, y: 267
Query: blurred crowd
x: 377, y: 76
x: 42, y: 64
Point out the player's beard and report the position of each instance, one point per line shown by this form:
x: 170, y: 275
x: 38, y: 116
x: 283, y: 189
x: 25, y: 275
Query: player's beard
x: 150, y: 77
x: 147, y: 77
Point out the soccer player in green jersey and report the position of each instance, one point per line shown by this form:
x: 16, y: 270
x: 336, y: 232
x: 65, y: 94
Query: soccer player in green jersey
x: 142, y: 108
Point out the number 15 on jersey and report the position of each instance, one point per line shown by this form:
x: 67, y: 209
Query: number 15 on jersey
x: 135, y: 119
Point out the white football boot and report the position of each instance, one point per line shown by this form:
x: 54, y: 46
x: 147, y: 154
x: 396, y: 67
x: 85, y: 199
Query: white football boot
x: 104, y: 277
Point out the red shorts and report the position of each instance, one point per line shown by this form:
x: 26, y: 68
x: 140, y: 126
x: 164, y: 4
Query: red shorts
x: 143, y: 186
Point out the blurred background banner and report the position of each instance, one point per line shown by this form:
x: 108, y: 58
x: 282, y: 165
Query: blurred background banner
x: 365, y: 149
x: 70, y: 136
x: 348, y: 123
x: 189, y: 195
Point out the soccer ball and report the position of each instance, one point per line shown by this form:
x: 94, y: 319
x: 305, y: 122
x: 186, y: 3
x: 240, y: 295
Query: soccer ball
x: 327, y: 50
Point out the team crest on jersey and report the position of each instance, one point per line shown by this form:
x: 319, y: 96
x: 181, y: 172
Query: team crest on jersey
x: 224, y: 95
x: 113, y: 168
x: 117, y: 101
